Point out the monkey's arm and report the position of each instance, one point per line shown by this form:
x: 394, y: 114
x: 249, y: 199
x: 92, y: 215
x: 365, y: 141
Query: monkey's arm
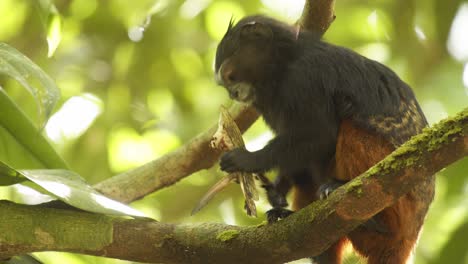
x: 288, y: 152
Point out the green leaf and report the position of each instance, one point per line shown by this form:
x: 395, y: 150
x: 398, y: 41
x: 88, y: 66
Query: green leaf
x: 9, y: 176
x: 52, y: 21
x: 54, y: 33
x: 31, y: 77
x: 21, y: 143
x: 70, y: 188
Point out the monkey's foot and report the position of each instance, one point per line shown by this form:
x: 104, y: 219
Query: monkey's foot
x: 326, y: 189
x: 277, y: 213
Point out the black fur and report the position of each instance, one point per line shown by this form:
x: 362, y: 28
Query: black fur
x: 304, y: 88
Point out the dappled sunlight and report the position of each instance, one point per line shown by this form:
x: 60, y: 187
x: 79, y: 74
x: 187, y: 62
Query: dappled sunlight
x: 187, y: 63
x: 259, y: 142
x: 74, y: 117
x: 111, y: 204
x: 434, y: 110
x: 128, y: 149
x: 379, y: 24
x: 420, y: 33
x: 377, y: 51
x: 218, y: 15
x: 81, y: 9
x: 30, y: 196
x: 60, y: 189
x: 150, y: 210
x: 372, y: 19
x: 457, y: 43
x: 291, y: 9
x: 11, y: 22
x: 362, y: 23
x: 226, y: 209
x: 135, y: 33
x: 191, y: 8
x: 161, y: 103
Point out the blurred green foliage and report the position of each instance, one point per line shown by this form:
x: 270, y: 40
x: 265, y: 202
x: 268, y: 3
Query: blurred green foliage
x: 136, y: 82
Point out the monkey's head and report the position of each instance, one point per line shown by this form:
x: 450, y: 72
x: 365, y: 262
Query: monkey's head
x: 247, y: 56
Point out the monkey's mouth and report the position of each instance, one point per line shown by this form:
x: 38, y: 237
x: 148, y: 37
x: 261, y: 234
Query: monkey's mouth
x: 242, y: 92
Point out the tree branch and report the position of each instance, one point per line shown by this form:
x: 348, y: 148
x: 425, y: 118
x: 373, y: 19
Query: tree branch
x: 305, y: 233
x: 196, y: 155
x: 317, y: 15
x: 169, y: 169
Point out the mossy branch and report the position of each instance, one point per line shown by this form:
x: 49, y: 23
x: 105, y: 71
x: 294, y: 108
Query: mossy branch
x: 196, y: 154
x: 305, y: 233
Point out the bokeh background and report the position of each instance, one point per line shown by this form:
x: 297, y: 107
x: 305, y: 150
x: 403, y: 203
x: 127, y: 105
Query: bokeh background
x: 136, y: 79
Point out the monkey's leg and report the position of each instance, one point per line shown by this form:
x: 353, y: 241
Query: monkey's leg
x: 356, y: 151
x: 403, y: 220
x: 276, y: 194
x: 333, y: 255
x: 305, y: 185
x: 326, y: 189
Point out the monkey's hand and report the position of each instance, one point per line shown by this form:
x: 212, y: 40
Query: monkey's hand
x: 241, y: 160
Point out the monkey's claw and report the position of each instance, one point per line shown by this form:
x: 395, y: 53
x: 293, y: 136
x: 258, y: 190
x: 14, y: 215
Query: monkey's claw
x: 326, y: 189
x: 277, y: 213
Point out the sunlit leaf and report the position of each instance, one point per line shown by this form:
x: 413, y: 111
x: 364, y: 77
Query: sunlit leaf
x: 9, y: 176
x: 54, y: 33
x: 23, y: 70
x: 53, y: 23
x: 23, y: 146
x: 70, y: 188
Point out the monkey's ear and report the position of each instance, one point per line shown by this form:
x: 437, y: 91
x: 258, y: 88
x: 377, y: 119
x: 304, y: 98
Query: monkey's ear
x: 256, y: 30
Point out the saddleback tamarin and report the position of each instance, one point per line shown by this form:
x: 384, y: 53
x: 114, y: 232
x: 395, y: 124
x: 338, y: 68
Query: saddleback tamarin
x: 335, y: 114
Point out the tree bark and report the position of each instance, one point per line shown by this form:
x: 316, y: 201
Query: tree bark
x: 305, y: 233
x: 196, y: 154
x: 169, y: 169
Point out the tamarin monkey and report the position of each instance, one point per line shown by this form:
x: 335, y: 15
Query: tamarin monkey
x: 335, y: 114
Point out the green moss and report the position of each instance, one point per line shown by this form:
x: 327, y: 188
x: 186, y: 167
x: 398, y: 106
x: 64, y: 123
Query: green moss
x: 87, y: 231
x: 320, y: 207
x: 355, y: 186
x: 227, y: 235
x: 431, y: 139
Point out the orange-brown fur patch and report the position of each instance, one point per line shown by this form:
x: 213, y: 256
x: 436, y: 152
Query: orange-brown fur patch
x: 356, y: 151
